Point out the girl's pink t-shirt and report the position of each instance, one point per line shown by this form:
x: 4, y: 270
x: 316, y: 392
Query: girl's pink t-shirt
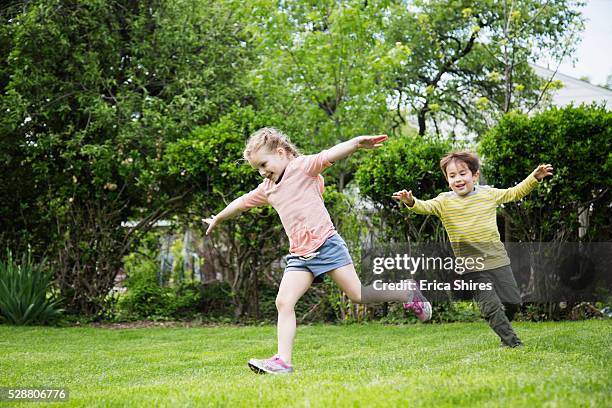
x: 298, y: 199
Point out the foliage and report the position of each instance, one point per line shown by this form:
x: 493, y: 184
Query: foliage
x: 573, y: 140
x: 320, y: 63
x: 333, y: 67
x: 442, y: 312
x: 538, y: 312
x: 146, y: 301
x: 92, y: 93
x: 215, y: 300
x: 576, y: 141
x: 411, y: 163
x: 468, y: 59
x: 460, y: 311
x: 210, y: 160
x: 137, y: 111
x: 26, y: 291
x: 146, y: 298
x: 321, y: 68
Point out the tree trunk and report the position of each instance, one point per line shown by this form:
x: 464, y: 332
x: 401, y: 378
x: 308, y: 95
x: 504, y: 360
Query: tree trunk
x: 421, y: 119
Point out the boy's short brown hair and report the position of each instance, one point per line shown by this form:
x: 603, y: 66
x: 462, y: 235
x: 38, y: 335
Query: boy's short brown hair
x: 469, y: 158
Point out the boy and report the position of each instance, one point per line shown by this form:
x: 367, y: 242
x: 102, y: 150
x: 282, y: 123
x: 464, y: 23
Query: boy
x: 468, y: 214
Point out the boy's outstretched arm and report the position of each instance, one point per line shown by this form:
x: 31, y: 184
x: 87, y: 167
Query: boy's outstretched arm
x: 524, y: 187
x: 404, y: 196
x: 543, y: 170
x: 233, y: 209
x: 426, y: 207
x: 345, y: 149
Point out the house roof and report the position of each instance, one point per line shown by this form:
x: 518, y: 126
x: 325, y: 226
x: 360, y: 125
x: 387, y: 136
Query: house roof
x: 574, y: 90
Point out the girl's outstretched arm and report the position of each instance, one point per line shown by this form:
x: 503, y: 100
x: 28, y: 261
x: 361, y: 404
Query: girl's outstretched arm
x: 345, y: 149
x: 233, y: 209
x: 253, y: 198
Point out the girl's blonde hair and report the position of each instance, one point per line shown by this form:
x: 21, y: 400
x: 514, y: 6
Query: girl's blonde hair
x: 269, y: 138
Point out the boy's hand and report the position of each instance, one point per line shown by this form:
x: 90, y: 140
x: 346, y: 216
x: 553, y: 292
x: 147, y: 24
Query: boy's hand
x: 212, y: 223
x: 542, y: 171
x: 370, y: 142
x: 405, y: 197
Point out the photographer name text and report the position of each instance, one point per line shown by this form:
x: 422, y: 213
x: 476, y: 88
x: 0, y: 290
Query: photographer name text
x: 409, y: 284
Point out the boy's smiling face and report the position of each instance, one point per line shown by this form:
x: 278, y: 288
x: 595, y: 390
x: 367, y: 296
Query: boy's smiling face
x: 460, y: 178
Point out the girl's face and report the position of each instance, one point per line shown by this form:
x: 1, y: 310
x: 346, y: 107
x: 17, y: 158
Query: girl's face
x: 270, y: 164
x: 460, y: 178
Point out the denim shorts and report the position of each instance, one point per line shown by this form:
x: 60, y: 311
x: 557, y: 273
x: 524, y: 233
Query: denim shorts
x: 329, y: 256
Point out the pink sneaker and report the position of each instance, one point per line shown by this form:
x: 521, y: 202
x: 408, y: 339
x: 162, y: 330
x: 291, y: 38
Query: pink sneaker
x: 273, y: 365
x: 420, y: 306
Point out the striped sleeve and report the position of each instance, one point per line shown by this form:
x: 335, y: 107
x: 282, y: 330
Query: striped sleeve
x: 428, y: 207
x: 515, y: 193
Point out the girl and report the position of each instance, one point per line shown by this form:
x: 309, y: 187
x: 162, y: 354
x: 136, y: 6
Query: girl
x: 293, y: 185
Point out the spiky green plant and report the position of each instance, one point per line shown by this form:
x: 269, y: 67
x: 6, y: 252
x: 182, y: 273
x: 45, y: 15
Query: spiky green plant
x: 24, y: 291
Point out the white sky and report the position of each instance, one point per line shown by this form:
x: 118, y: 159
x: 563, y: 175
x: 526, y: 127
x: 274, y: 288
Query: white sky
x: 594, y: 53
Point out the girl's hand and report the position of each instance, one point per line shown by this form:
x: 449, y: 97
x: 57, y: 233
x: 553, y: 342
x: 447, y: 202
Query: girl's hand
x: 405, y: 197
x: 542, y: 171
x: 370, y: 142
x: 212, y: 223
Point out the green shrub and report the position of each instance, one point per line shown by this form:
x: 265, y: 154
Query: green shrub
x: 410, y: 163
x: 576, y: 141
x: 24, y: 292
x: 459, y: 311
x: 144, y: 301
x: 147, y: 299
x: 144, y: 298
x: 215, y: 299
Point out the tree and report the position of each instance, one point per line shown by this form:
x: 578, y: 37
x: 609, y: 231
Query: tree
x: 92, y: 93
x: 469, y: 59
x: 321, y: 68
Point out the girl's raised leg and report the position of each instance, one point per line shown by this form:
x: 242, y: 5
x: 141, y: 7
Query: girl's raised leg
x: 348, y: 281
x: 346, y: 278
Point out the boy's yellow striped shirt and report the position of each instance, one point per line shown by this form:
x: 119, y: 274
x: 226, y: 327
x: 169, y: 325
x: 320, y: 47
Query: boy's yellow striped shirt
x: 470, y: 221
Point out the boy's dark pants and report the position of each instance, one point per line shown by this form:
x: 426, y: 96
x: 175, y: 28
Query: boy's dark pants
x: 499, y: 305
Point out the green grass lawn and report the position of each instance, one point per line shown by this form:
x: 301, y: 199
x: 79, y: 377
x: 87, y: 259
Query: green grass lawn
x: 562, y: 364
